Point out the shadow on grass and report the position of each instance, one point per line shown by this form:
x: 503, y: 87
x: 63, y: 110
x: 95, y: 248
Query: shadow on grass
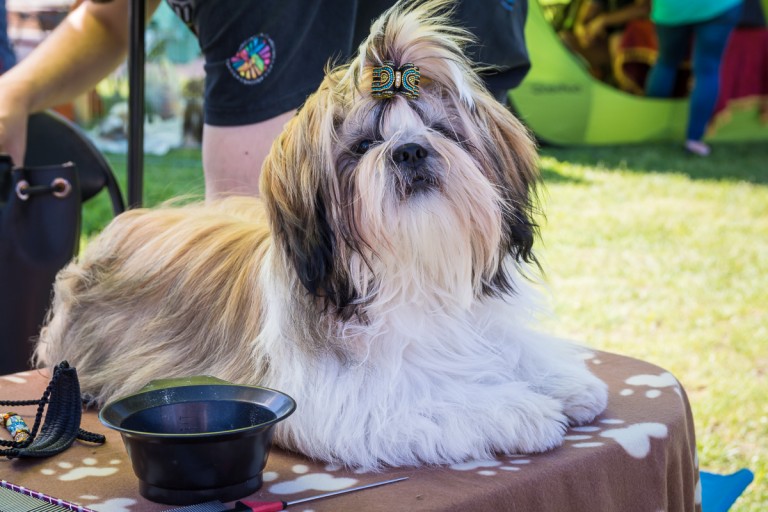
x: 732, y: 161
x: 550, y: 175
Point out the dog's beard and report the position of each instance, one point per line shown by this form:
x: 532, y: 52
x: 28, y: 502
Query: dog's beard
x: 430, y: 241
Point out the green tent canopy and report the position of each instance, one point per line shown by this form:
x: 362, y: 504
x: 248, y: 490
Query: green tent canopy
x: 563, y: 104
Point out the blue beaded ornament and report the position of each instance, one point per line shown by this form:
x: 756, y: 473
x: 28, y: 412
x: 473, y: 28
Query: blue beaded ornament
x: 16, y: 426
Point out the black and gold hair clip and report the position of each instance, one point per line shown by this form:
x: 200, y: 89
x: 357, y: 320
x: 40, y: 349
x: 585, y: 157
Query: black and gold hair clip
x: 388, y: 81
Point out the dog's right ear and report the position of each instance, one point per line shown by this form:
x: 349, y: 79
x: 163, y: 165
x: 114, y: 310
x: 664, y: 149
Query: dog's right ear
x: 299, y: 190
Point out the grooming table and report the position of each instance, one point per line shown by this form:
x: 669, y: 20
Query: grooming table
x: 640, y: 455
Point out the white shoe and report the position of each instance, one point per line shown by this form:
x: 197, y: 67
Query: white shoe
x: 697, y: 147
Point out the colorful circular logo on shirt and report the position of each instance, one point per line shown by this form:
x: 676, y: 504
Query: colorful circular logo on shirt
x: 253, y: 60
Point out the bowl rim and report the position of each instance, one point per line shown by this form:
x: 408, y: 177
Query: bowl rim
x: 219, y: 433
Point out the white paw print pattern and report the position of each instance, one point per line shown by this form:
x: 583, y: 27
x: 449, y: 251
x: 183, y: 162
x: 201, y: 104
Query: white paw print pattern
x: 306, y: 481
x: 635, y: 439
x: 656, y: 382
x: 581, y: 437
x: 321, y: 482
x: 584, y: 437
x: 697, y: 491
x: 18, y: 378
x: 89, y: 468
x: 112, y: 504
x: 491, y: 467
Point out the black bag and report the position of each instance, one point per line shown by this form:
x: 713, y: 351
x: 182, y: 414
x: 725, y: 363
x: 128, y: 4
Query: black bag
x: 40, y: 228
x: 53, y: 139
x: 39, y: 233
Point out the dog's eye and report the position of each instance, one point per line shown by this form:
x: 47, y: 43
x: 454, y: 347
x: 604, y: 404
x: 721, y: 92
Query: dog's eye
x: 446, y: 132
x: 362, y: 146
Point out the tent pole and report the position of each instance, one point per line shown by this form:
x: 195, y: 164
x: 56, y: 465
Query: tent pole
x: 135, y: 162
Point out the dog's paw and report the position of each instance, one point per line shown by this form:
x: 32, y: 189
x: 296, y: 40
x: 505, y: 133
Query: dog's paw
x: 587, y: 398
x: 582, y: 395
x: 539, y: 428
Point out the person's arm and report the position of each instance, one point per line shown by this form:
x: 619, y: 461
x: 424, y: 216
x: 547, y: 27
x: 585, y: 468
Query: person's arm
x: 90, y: 43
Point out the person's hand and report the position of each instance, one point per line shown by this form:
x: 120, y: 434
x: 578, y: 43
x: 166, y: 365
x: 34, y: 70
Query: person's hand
x: 13, y: 124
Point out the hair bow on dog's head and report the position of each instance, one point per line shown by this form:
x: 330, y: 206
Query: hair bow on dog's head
x: 387, y: 80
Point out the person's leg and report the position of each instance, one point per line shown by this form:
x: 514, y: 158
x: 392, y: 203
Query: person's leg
x: 674, y: 43
x: 711, y: 38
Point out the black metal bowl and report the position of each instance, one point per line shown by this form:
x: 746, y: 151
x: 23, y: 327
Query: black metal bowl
x: 197, y: 439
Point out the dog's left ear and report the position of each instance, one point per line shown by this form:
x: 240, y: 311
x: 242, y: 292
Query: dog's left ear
x: 299, y: 193
x: 512, y: 165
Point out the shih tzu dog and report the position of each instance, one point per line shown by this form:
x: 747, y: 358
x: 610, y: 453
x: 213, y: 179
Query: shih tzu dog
x: 379, y: 280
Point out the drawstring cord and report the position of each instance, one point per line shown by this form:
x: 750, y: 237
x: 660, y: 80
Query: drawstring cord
x: 62, y: 421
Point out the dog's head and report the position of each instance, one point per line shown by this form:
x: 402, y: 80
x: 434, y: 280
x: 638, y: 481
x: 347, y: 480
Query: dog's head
x: 403, y: 168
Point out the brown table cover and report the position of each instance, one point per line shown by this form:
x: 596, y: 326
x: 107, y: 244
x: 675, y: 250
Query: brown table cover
x: 640, y: 455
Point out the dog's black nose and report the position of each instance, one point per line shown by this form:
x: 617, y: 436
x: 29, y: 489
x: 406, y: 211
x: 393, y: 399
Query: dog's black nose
x: 413, y: 171
x: 409, y: 154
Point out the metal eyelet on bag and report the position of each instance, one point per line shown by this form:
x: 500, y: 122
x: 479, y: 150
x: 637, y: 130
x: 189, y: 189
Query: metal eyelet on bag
x: 61, y: 187
x: 21, y: 190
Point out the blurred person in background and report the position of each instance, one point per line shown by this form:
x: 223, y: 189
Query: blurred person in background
x: 262, y: 59
x: 7, y: 56
x: 707, y: 24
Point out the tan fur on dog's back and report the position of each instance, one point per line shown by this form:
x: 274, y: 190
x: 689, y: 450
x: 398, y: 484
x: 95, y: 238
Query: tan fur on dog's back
x: 158, y: 288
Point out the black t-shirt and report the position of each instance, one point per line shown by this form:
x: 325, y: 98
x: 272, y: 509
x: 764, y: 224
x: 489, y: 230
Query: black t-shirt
x: 264, y: 57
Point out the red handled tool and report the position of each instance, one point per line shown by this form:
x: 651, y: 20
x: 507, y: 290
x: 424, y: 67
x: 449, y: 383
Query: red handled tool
x: 275, y: 506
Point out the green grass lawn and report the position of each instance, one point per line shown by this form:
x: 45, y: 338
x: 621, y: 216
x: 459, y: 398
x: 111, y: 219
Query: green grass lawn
x: 661, y: 256
x: 649, y: 253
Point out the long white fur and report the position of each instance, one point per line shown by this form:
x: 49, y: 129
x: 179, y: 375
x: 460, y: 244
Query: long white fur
x: 436, y: 362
